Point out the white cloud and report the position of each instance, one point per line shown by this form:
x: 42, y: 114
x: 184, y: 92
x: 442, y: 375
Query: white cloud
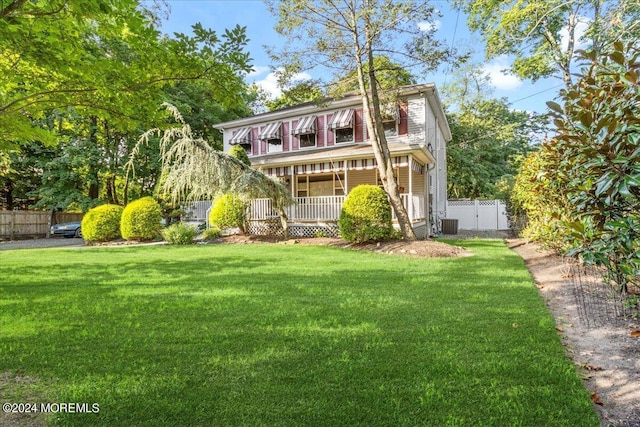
x: 429, y: 25
x: 270, y: 83
x: 257, y: 71
x: 499, y: 79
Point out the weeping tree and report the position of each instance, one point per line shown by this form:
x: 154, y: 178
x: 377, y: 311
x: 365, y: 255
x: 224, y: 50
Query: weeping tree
x: 193, y: 170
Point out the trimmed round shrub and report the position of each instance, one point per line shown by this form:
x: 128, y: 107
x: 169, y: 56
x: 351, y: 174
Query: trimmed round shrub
x: 102, y: 223
x: 141, y: 219
x: 179, y: 234
x: 366, y: 215
x: 228, y: 211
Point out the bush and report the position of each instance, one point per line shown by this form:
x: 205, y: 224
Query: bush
x: 239, y: 153
x: 366, y: 215
x: 228, y: 211
x: 540, y: 195
x: 179, y: 234
x: 141, y: 219
x: 211, y: 234
x: 102, y: 223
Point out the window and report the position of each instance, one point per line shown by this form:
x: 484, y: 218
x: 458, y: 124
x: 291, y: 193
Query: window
x: 272, y: 134
x: 344, y: 135
x: 390, y: 127
x: 342, y: 125
x: 274, y: 145
x: 320, y: 185
x: 390, y: 117
x: 307, y: 140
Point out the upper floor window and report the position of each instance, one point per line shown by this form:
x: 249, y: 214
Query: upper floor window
x: 344, y: 135
x: 305, y: 130
x: 390, y: 118
x: 342, y: 125
x: 307, y: 140
x: 272, y: 134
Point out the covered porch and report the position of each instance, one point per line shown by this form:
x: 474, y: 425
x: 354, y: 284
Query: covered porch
x: 320, y: 180
x: 318, y: 215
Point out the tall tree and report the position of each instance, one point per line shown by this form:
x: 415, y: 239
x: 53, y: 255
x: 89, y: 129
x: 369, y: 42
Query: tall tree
x: 489, y: 137
x: 347, y: 34
x: 63, y: 53
x: 599, y: 140
x: 389, y: 75
x: 544, y: 34
x: 299, y: 93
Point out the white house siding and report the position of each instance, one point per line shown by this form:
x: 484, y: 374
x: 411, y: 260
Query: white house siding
x: 441, y: 173
x: 416, y: 113
x: 424, y: 129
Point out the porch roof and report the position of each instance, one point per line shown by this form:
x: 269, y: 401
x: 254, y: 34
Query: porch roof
x: 350, y: 152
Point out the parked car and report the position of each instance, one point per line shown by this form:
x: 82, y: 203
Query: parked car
x: 67, y: 229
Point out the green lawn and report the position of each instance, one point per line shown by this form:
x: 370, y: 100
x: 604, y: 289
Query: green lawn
x: 231, y: 335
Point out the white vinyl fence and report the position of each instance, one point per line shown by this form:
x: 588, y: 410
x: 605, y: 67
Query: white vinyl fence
x: 478, y: 214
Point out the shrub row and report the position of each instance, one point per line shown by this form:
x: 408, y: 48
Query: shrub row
x: 139, y: 220
x: 365, y: 217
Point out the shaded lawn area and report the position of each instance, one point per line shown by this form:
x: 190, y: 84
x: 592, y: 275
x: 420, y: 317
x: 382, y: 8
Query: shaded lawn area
x: 285, y: 335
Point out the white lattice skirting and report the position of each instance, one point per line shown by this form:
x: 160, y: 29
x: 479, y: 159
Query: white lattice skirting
x: 272, y: 227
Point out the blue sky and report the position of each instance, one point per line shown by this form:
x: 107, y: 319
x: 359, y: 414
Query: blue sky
x: 452, y: 27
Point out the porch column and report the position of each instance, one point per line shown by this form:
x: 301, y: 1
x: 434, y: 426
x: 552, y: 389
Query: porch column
x: 294, y: 192
x: 410, y: 201
x: 346, y: 179
x: 293, y: 181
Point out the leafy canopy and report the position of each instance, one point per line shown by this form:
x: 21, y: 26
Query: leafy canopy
x: 76, y: 53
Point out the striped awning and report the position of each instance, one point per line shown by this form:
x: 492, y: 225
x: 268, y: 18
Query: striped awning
x: 319, y: 167
x: 341, y: 119
x: 243, y: 137
x: 417, y: 167
x: 305, y: 126
x: 283, y: 171
x: 361, y: 164
x: 339, y: 165
x: 271, y: 131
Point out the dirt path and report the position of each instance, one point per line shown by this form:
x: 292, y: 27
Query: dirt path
x: 607, y: 356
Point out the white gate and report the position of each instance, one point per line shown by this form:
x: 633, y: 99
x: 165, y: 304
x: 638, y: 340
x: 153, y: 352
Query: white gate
x: 478, y: 214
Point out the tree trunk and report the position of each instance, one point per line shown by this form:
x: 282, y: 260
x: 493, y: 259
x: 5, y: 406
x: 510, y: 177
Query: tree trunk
x: 376, y: 132
x: 8, y: 193
x: 112, y: 192
x: 94, y: 189
x: 284, y: 221
x: 125, y: 196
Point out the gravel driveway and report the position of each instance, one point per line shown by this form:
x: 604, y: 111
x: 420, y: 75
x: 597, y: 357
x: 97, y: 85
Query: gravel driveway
x: 54, y: 242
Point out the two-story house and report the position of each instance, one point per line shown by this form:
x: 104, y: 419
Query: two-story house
x: 321, y: 152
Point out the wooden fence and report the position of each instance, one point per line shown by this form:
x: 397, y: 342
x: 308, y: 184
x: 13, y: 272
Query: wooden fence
x: 21, y: 224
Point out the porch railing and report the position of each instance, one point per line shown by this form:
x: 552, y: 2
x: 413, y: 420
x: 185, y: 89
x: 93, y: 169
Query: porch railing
x: 325, y: 208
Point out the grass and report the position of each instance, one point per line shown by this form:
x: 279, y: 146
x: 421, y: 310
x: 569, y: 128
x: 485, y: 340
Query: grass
x: 280, y: 335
